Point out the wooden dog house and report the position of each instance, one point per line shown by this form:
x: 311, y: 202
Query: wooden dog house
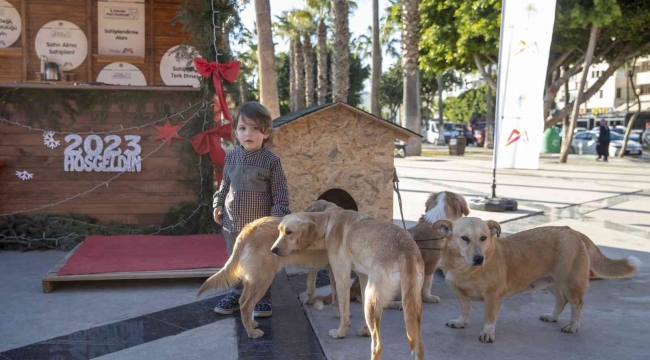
x: 334, y: 148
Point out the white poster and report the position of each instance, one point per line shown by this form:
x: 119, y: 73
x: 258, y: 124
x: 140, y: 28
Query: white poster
x: 526, y: 32
x: 120, y: 25
x: 121, y: 73
x: 62, y: 42
x: 177, y: 69
x: 10, y: 24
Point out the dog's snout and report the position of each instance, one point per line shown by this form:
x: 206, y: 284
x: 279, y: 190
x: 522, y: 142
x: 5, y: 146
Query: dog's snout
x: 478, y: 260
x: 275, y: 250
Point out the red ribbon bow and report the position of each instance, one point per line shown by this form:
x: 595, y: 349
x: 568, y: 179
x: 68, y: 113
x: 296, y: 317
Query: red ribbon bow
x: 209, y: 141
x: 217, y: 70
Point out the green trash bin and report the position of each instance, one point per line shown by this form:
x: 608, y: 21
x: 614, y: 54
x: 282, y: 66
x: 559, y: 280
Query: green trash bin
x: 552, y: 142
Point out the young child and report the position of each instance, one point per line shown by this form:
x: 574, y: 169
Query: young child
x: 253, y: 186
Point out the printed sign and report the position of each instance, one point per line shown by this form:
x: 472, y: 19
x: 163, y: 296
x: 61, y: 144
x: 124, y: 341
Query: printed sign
x: 526, y: 32
x: 62, y: 42
x: 120, y: 27
x: 10, y: 24
x: 92, y: 156
x: 121, y: 73
x: 177, y: 69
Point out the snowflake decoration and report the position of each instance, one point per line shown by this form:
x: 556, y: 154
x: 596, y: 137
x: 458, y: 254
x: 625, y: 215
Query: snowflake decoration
x: 24, y: 175
x: 48, y: 140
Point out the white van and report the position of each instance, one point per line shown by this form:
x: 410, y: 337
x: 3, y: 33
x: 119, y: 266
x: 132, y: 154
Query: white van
x: 431, y: 132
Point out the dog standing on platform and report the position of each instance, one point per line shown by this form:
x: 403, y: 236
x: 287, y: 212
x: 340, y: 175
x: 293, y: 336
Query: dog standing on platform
x: 253, y: 262
x: 481, y: 268
x: 382, y: 254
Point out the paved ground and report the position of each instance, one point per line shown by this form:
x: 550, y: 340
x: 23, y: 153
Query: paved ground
x: 163, y: 320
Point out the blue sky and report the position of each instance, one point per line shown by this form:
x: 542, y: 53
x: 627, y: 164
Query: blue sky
x: 359, y: 21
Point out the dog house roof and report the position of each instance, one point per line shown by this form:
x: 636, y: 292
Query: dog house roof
x: 400, y: 132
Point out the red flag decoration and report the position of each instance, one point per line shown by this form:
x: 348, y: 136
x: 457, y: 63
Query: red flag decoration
x: 217, y: 70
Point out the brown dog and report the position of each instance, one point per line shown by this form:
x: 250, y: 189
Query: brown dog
x: 444, y: 205
x: 479, y: 267
x: 256, y: 266
x: 382, y: 255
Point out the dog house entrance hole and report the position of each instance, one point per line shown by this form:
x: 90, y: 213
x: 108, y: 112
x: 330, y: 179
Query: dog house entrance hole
x: 341, y: 198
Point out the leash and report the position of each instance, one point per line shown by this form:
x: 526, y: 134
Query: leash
x: 399, y: 196
x: 401, y: 212
x: 432, y: 239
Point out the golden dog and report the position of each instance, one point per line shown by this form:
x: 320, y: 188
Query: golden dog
x: 481, y: 268
x: 256, y: 266
x: 382, y: 255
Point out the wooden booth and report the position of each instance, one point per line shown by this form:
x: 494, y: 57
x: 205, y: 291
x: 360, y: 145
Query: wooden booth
x: 99, y: 50
x: 339, y: 153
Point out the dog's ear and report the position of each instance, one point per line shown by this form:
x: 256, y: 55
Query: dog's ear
x: 463, y: 204
x: 308, y: 234
x: 443, y: 227
x: 495, y: 227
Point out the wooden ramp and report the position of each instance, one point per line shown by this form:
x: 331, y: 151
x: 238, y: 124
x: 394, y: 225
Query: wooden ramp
x: 51, y: 279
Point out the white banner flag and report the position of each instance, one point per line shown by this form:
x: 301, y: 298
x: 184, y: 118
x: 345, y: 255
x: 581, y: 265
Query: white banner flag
x: 526, y: 32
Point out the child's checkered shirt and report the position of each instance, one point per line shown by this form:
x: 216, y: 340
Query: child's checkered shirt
x: 253, y: 186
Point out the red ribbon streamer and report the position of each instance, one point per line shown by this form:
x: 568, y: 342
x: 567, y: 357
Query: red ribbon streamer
x: 217, y: 70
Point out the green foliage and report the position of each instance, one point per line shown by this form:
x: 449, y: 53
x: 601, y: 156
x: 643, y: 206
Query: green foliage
x: 392, y: 90
x: 358, y: 75
x: 469, y: 105
x: 45, y: 108
x: 282, y: 71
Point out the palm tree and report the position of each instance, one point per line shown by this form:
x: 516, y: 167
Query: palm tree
x: 321, y: 8
x: 266, y: 58
x: 285, y: 29
x: 410, y: 42
x: 299, y: 72
x: 308, y: 52
x: 341, y: 53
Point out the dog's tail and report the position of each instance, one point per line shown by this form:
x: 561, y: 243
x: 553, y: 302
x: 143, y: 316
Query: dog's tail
x: 412, y: 280
x: 229, y: 275
x: 607, y: 268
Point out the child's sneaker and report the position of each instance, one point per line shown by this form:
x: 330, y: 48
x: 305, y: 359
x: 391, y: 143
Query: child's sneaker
x: 263, y: 308
x: 228, y: 304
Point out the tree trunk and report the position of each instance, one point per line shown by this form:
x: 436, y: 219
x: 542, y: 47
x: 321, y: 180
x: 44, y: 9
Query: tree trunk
x: 309, y: 71
x: 375, y: 109
x: 292, y: 75
x: 300, y: 75
x: 441, y: 122
x: 341, y: 53
x: 488, y: 141
x: 635, y: 116
x: 322, y: 61
x: 410, y: 56
x: 242, y: 92
x: 266, y: 58
x: 566, y: 147
x: 565, y: 120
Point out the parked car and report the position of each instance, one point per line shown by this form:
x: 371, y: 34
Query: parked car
x: 450, y: 131
x: 431, y: 132
x: 586, y: 142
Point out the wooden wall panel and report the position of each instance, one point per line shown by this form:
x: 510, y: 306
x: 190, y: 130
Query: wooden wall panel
x: 160, y: 35
x: 135, y: 198
x: 40, y: 13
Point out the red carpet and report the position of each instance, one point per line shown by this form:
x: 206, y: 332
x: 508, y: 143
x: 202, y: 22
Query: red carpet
x: 106, y: 254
